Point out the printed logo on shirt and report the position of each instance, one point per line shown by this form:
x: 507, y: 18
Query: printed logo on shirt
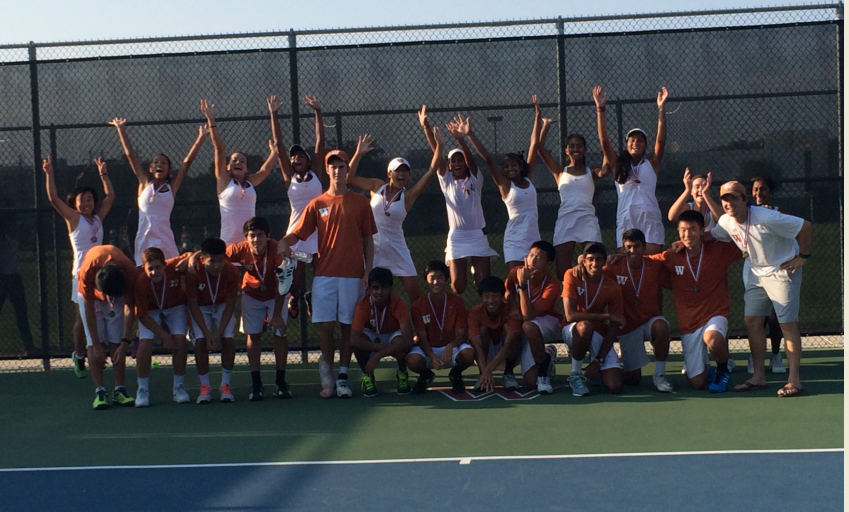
x: 174, y: 283
x: 371, y: 322
x: 201, y: 286
x: 580, y: 291
x: 426, y: 319
x: 324, y: 212
x: 248, y: 267
x: 622, y: 280
x: 679, y: 269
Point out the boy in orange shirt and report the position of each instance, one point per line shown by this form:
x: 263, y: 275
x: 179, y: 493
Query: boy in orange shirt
x: 494, y: 334
x: 439, y: 318
x: 381, y: 328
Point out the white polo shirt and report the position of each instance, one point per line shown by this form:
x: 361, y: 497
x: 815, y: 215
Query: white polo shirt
x: 771, y: 239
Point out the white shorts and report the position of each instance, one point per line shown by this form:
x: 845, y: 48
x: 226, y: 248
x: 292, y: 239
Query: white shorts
x: 309, y: 246
x: 526, y: 359
x: 210, y: 318
x: 549, y: 326
x: 76, y: 298
x: 438, y: 353
x: 633, y: 345
x: 335, y: 298
x: 693, y: 344
x: 175, y: 318
x: 780, y: 291
x: 110, y: 320
x: 610, y: 360
x: 254, y: 314
x: 467, y: 243
x: 384, y: 339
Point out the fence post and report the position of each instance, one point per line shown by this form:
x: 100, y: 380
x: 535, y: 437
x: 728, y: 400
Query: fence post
x: 60, y: 324
x: 561, y: 90
x: 37, y: 199
x: 293, y: 85
x: 619, y: 133
x: 839, y: 15
x: 338, y: 119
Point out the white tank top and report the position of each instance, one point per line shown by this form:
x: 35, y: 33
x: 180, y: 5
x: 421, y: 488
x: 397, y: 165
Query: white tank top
x: 300, y: 194
x: 576, y: 193
x: 463, y: 200
x: 708, y: 215
x: 522, y: 210
x: 637, y: 197
x: 237, y: 204
x: 389, y: 227
x: 155, y: 221
x: 86, y: 235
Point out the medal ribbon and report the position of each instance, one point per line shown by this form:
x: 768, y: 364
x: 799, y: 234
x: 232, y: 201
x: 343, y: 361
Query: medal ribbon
x: 209, y: 285
x: 541, y: 288
x: 94, y: 223
x: 748, y: 220
x: 439, y: 323
x: 160, y: 303
x: 378, y: 324
x: 699, y: 265
x: 387, y: 204
x: 633, y: 283
x: 264, y: 266
x: 636, y: 170
x: 587, y: 301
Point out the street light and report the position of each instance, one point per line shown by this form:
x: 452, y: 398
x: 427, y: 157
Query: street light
x: 495, y: 120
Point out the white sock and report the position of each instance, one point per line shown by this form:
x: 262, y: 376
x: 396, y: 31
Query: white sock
x: 343, y: 369
x: 659, y: 367
x: 225, y: 376
x: 204, y: 379
x: 101, y: 388
x: 179, y: 379
x: 144, y: 383
x: 79, y: 356
x: 576, y: 365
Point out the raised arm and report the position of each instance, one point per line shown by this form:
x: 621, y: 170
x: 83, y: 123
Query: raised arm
x: 462, y: 126
x: 600, y: 98
x: 318, y: 157
x: 714, y: 207
x: 108, y: 190
x: 436, y: 163
x: 660, y: 141
x: 365, y: 143
x: 426, y: 127
x: 203, y: 132
x: 535, y: 132
x: 286, y: 169
x: 120, y: 124
x: 267, y: 166
x: 71, y: 216
x: 553, y: 165
x: 680, y: 205
x: 500, y: 180
x: 222, y: 176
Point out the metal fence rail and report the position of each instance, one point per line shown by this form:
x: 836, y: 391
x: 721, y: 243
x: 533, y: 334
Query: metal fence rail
x: 753, y: 92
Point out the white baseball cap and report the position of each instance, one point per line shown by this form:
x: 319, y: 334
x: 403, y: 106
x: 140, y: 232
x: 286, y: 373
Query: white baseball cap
x: 454, y: 152
x: 396, y: 163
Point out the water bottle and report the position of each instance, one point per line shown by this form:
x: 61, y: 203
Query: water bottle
x: 302, y: 256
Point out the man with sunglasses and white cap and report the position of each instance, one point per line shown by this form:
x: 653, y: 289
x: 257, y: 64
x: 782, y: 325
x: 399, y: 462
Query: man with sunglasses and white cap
x: 778, y: 246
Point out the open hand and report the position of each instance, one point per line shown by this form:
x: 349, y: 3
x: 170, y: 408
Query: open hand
x: 365, y: 143
x: 599, y: 96
x: 101, y: 165
x: 662, y: 96
x: 312, y: 102
x: 688, y: 181
x: 438, y: 136
x: 208, y: 109
x: 47, y: 166
x: 423, y: 115
x: 118, y: 122
x: 535, y: 102
x: 273, y: 103
x: 203, y: 131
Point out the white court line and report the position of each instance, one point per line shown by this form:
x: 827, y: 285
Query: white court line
x: 461, y: 460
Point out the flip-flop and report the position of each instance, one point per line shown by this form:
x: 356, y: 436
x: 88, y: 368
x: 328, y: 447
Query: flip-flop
x: 749, y: 386
x: 790, y: 390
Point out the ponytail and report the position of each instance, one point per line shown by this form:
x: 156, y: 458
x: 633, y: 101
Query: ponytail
x: 623, y: 167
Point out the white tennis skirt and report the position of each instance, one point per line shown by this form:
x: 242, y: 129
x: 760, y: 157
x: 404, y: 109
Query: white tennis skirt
x: 467, y: 243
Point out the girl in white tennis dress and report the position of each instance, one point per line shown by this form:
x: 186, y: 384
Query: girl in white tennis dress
x: 696, y: 188
x: 84, y: 219
x: 236, y: 190
x: 156, y: 193
x: 635, y: 175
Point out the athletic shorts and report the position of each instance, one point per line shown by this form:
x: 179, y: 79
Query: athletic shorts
x: 213, y: 322
x: 175, y: 318
x: 633, y: 345
x: 255, y: 313
x: 780, y: 291
x: 384, y: 338
x: 695, y: 350
x: 335, y: 298
x: 110, y: 320
x: 549, y: 326
x: 526, y: 359
x: 437, y: 351
x: 610, y: 360
x: 76, y: 298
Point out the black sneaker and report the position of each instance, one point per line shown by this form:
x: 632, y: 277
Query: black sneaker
x: 422, y: 383
x: 294, y: 306
x: 256, y: 393
x: 457, y: 384
x: 281, y: 390
x: 308, y: 301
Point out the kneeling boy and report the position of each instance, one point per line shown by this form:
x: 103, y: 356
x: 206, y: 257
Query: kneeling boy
x: 495, y: 335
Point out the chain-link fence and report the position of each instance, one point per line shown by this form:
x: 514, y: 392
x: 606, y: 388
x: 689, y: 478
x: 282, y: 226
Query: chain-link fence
x: 753, y: 92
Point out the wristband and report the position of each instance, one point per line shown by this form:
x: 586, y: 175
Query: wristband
x: 600, y: 109
x: 213, y: 125
x: 804, y: 256
x: 523, y: 287
x: 599, y: 360
x: 104, y: 174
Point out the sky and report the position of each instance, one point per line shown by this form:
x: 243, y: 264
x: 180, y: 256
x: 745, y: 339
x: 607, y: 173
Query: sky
x: 60, y: 20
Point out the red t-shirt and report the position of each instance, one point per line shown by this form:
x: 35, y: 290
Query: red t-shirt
x: 342, y: 222
x: 388, y: 319
x: 543, y: 295
x: 256, y: 266
x: 169, y: 292
x: 594, y: 298
x: 478, y: 316
x: 94, y: 260
x: 649, y: 280
x: 427, y: 318
x: 200, y: 285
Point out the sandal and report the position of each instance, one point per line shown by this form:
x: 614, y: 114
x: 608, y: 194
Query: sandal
x: 749, y: 386
x: 790, y: 390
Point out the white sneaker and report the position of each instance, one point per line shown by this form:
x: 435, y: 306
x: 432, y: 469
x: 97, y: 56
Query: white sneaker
x: 509, y: 382
x: 226, y: 395
x: 750, y: 366
x: 576, y: 382
x: 731, y: 364
x: 342, y: 389
x: 285, y: 275
x: 684, y: 368
x: 180, y: 394
x: 544, y: 386
x: 143, y: 397
x: 660, y: 383
x: 776, y: 365
x: 205, y: 395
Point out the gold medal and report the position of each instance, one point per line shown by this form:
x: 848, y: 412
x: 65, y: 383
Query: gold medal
x: 745, y: 254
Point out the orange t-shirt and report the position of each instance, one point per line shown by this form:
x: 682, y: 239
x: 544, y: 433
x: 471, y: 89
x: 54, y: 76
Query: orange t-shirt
x: 543, y: 295
x: 200, y: 285
x: 594, y: 297
x: 638, y: 310
x: 478, y: 316
x: 170, y: 291
x: 94, y: 260
x: 425, y: 318
x: 387, y: 320
x: 342, y: 222
x: 252, y: 283
x: 695, y: 308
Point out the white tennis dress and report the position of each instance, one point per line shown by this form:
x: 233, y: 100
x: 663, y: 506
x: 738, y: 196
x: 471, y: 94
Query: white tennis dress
x: 85, y: 236
x: 523, y: 221
x: 710, y: 222
x: 390, y: 246
x: 155, y: 221
x: 465, y: 217
x: 300, y: 194
x: 637, y: 207
x: 576, y: 219
x: 237, y: 205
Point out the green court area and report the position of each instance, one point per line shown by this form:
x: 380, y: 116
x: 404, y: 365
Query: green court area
x: 48, y: 420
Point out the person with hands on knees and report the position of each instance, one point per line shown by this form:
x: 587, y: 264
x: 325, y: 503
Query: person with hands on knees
x: 495, y: 334
x: 211, y: 292
x: 594, y: 317
x: 439, y: 319
x: 161, y: 310
x: 533, y: 291
x: 381, y: 328
x: 696, y: 188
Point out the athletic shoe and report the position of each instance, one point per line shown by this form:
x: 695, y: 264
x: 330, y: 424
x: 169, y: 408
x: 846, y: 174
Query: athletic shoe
x: 660, y: 383
x: 79, y: 366
x: 100, y: 401
x: 684, y: 369
x: 226, y: 395
x: 143, y: 397
x: 423, y: 382
x: 544, y: 386
x: 457, y: 384
x: 776, y: 365
x: 576, y: 382
x: 711, y: 374
x: 403, y: 383
x: 256, y: 392
x: 308, y: 301
x: 342, y: 389
x: 368, y: 388
x: 281, y: 390
x: 720, y: 383
x: 552, y: 368
x: 750, y: 366
x: 180, y: 394
x: 205, y: 395
x: 731, y: 364
x: 508, y: 380
x: 121, y: 397
x: 285, y: 274
x: 294, y: 307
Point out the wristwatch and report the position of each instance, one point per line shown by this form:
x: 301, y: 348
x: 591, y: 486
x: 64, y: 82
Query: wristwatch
x: 804, y: 256
x: 599, y: 360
